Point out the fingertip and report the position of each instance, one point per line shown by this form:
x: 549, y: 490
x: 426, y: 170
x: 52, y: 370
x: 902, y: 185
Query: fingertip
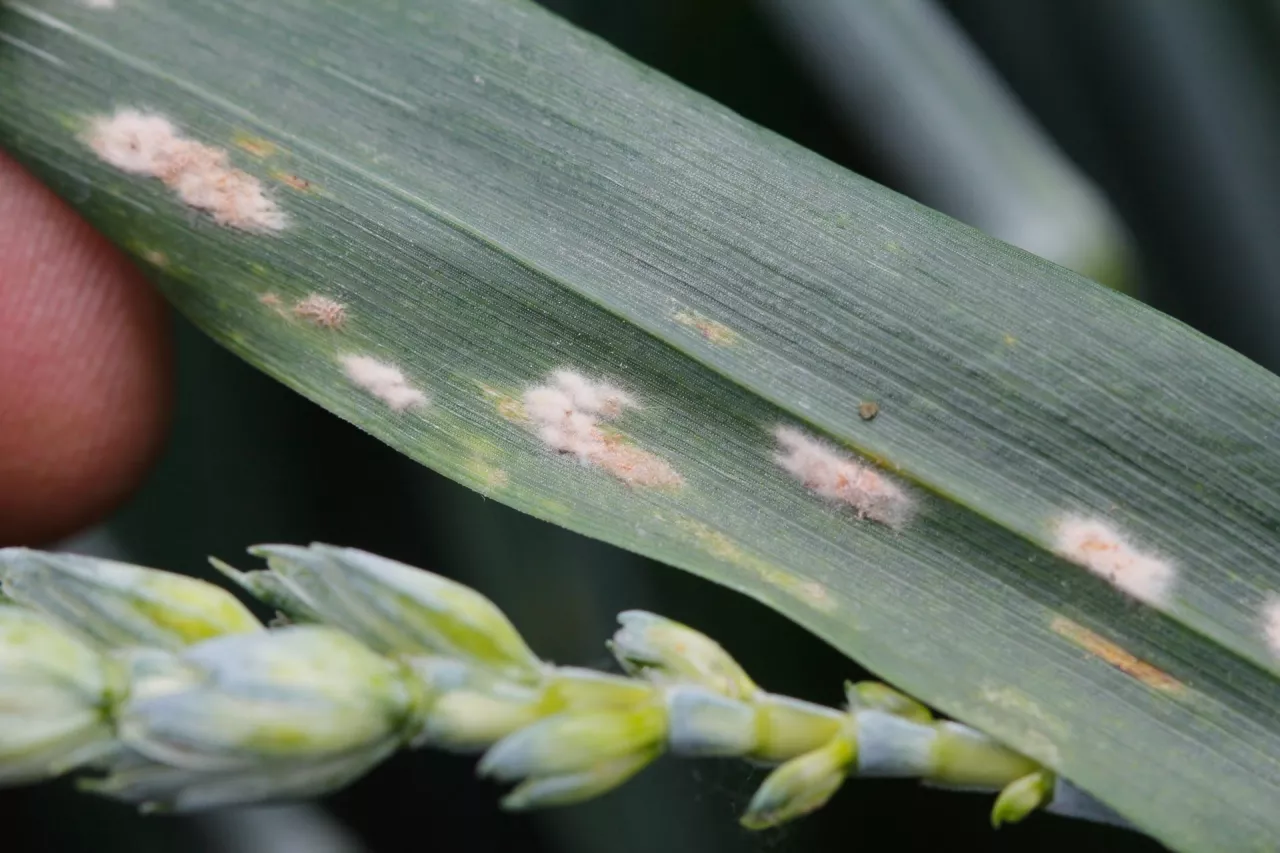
x: 84, y: 367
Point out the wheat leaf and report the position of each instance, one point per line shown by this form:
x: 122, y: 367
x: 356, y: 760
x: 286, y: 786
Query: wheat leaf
x: 461, y: 197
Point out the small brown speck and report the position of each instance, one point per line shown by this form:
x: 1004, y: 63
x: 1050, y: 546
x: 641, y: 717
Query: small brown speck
x: 292, y: 180
x: 868, y: 410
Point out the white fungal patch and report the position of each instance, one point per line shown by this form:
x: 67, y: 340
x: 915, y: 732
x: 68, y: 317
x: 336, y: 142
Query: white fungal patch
x: 598, y: 398
x: 384, y: 381
x: 1101, y: 548
x: 566, y: 412
x: 1271, y: 624
x: 322, y: 311
x: 836, y: 475
x: 146, y: 144
x: 100, y: 4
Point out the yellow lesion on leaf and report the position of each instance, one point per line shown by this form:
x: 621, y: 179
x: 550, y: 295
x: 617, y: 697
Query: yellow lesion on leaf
x: 481, y: 465
x: 715, y: 332
x: 255, y: 145
x: 293, y: 181
x: 1013, y: 699
x: 1116, y: 656
x: 720, y: 546
x: 155, y: 258
x: 491, y: 477
x: 508, y: 406
x: 1036, y: 733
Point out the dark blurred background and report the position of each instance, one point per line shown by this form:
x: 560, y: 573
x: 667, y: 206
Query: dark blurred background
x: 1134, y: 140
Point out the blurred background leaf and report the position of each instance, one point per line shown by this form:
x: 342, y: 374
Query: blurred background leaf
x: 1171, y: 107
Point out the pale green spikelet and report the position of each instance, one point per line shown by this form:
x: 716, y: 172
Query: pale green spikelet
x: 569, y: 788
x: 790, y: 727
x: 473, y: 720
x: 705, y: 723
x: 188, y: 703
x: 803, y: 784
x: 56, y: 697
x: 271, y: 590
x: 398, y: 609
x: 571, y: 687
x: 577, y: 751
x: 1023, y: 796
x: 661, y: 649
x: 965, y: 757
x: 882, y: 697
x: 121, y: 605
x: 246, y: 718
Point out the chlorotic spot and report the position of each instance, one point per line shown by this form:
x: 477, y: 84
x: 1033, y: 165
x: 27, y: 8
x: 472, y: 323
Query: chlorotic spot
x: 1271, y: 624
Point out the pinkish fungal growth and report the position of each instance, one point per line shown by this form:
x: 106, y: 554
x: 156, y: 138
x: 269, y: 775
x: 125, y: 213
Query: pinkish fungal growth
x: 1102, y: 549
x: 274, y: 302
x: 566, y: 413
x: 321, y: 310
x: 593, y: 397
x: 147, y: 144
x: 384, y: 381
x: 836, y: 475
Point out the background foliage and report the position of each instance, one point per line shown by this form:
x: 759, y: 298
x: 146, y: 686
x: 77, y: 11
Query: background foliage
x: 1170, y: 105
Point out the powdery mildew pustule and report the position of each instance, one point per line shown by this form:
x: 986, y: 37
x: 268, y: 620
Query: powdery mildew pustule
x: 1101, y: 548
x: 322, y: 311
x: 147, y: 144
x: 274, y: 302
x: 566, y: 412
x: 384, y: 381
x: 836, y: 475
x: 1271, y: 624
